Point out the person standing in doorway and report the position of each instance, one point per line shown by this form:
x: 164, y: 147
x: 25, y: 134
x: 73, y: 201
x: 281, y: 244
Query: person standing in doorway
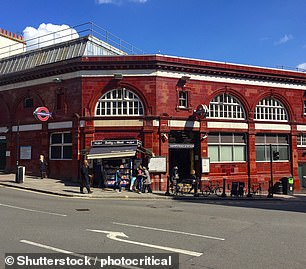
x: 42, y: 166
x: 85, y: 177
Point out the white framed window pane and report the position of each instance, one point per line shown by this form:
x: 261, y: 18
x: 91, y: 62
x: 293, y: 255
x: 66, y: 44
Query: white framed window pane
x: 283, y: 152
x: 119, y: 102
x: 239, y: 153
x: 260, y: 153
x: 213, y: 153
x: 56, y: 152
x: 226, y: 153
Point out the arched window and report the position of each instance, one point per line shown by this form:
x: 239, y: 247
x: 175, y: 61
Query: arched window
x: 270, y: 109
x: 119, y: 102
x: 225, y: 106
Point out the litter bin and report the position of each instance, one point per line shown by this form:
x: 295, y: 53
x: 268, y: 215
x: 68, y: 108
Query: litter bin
x: 278, y: 187
x: 290, y: 186
x: 284, y: 181
x: 20, y: 174
x: 287, y: 183
x: 240, y: 189
x: 304, y: 181
x: 234, y: 189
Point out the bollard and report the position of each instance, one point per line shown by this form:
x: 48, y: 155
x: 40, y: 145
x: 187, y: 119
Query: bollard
x: 223, y: 194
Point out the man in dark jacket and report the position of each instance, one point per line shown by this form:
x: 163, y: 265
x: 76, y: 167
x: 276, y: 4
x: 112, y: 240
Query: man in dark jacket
x: 85, y: 177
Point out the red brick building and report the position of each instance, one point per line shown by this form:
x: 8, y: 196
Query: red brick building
x: 151, y: 99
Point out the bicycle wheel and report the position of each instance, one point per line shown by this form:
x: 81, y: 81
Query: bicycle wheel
x: 219, y: 191
x: 206, y: 191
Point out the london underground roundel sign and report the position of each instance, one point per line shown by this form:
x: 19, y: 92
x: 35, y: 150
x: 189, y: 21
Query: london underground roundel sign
x: 42, y: 113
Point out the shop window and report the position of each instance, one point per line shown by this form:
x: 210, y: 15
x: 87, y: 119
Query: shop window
x: 301, y: 140
x: 61, y: 146
x: 28, y: 102
x: 279, y: 143
x: 270, y: 109
x: 225, y: 106
x: 119, y: 102
x: 227, y: 147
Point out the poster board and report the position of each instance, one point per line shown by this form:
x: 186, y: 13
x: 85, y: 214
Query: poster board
x: 158, y: 164
x: 205, y: 165
x: 25, y: 152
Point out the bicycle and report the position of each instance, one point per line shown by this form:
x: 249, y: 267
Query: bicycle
x: 256, y: 189
x: 179, y: 188
x: 212, y: 189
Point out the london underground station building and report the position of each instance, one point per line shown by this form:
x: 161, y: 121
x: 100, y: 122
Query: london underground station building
x: 220, y: 119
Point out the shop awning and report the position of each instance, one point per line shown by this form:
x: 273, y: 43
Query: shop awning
x: 112, y: 152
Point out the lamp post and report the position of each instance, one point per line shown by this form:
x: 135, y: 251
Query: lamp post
x: 17, y: 152
x: 270, y: 194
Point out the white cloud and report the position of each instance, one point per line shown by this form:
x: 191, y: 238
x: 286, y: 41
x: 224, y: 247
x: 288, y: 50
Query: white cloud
x: 302, y: 66
x: 120, y: 2
x: 283, y: 40
x: 47, y: 34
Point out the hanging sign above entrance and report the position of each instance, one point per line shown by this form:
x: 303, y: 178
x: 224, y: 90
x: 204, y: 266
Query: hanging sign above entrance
x: 42, y: 113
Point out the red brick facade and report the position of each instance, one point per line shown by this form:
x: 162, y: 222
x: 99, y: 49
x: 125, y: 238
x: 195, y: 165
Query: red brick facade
x: 156, y: 81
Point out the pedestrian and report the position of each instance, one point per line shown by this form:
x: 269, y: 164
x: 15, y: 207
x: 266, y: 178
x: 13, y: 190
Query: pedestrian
x: 117, y: 184
x: 194, y: 183
x: 146, y: 181
x: 139, y: 179
x: 174, y: 178
x: 85, y: 182
x: 42, y: 166
x: 102, y: 177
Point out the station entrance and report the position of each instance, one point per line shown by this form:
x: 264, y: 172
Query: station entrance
x: 183, y: 148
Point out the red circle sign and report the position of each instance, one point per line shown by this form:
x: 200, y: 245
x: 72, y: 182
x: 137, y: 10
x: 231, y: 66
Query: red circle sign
x: 42, y: 113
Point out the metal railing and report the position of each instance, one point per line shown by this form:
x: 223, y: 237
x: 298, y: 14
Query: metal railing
x: 69, y: 33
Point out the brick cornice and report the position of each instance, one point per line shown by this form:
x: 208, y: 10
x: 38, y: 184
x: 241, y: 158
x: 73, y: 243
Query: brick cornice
x: 157, y: 62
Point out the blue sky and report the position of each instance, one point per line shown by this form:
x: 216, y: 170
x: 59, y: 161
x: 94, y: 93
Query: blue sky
x: 255, y: 32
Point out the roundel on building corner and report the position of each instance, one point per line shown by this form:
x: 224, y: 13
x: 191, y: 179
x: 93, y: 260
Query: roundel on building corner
x: 201, y: 112
x: 42, y: 113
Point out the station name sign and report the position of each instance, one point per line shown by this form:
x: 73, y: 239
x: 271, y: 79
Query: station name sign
x: 114, y: 143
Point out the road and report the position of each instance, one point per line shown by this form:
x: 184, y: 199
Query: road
x: 206, y: 234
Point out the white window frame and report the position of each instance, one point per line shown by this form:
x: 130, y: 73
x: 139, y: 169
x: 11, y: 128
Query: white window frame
x: 275, y: 147
x: 301, y: 140
x: 269, y: 109
x: 62, y: 144
x: 119, y: 102
x: 232, y: 144
x: 225, y: 106
x: 183, y: 99
x: 304, y: 108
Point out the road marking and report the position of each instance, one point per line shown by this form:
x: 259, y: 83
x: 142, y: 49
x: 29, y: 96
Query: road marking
x: 169, y: 231
x: 50, y: 248
x: 33, y: 210
x: 115, y: 235
x: 59, y: 250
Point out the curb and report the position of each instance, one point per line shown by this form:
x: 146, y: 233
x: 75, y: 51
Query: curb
x: 155, y: 197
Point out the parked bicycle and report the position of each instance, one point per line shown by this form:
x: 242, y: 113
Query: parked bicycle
x: 212, y: 188
x: 256, y: 189
x: 180, y: 188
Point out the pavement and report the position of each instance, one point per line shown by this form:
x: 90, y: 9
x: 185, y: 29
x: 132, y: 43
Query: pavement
x: 72, y: 189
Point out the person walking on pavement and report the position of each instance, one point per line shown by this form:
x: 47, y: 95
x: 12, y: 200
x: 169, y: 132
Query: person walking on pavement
x: 42, y: 166
x: 146, y: 181
x: 85, y: 177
